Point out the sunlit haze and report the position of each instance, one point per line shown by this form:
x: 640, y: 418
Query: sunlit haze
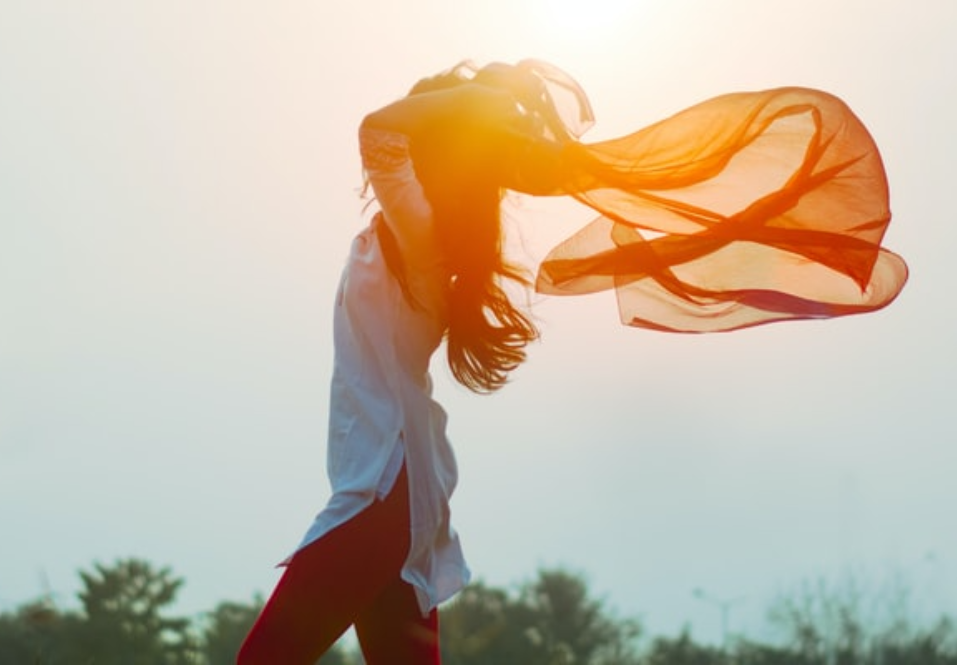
x: 179, y: 183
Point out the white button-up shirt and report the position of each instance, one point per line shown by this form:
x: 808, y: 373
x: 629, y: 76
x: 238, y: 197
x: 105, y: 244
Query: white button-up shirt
x: 381, y: 410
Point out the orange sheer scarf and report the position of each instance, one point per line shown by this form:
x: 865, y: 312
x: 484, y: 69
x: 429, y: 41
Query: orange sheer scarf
x: 745, y: 209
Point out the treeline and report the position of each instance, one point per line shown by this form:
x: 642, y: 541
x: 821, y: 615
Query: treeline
x: 552, y: 620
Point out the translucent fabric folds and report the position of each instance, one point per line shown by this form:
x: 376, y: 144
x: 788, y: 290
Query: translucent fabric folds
x: 745, y: 209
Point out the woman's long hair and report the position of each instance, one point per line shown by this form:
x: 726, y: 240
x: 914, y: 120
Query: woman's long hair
x: 487, y: 334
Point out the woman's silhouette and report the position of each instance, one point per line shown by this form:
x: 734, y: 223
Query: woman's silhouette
x: 746, y: 209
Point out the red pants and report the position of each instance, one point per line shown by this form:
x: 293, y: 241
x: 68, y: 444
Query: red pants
x: 350, y: 576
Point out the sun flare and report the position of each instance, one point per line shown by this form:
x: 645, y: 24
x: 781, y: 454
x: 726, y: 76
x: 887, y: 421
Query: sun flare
x: 567, y: 21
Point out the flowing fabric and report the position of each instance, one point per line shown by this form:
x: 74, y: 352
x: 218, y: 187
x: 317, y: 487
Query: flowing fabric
x: 745, y: 209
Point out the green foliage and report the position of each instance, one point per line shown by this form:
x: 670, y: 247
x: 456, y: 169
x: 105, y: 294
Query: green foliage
x: 225, y: 629
x: 551, y: 620
x: 484, y: 625
x: 682, y: 650
x: 574, y: 628
x: 121, y: 623
x: 846, y: 622
x: 124, y: 625
x: 39, y: 633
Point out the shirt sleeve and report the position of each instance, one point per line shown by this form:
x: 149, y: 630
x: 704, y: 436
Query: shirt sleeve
x: 388, y: 165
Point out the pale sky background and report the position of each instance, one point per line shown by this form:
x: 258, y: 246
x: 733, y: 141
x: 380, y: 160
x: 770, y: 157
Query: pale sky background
x: 178, y: 186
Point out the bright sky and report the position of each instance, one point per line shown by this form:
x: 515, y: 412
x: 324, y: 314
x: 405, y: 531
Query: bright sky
x: 178, y: 186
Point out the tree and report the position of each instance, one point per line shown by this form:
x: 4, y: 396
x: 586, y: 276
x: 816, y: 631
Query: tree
x: 23, y: 636
x: 750, y: 653
x: 682, y: 650
x: 484, y: 626
x: 39, y: 633
x: 225, y: 629
x: 552, y: 621
x: 574, y: 628
x: 845, y: 622
x: 124, y: 625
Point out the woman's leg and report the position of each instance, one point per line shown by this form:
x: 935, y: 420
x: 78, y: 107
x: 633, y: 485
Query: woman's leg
x: 392, y: 631
x: 328, y: 584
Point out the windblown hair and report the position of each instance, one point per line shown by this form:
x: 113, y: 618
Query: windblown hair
x: 487, y: 334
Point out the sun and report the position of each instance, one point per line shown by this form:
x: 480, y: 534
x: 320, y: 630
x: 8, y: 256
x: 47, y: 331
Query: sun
x: 565, y: 21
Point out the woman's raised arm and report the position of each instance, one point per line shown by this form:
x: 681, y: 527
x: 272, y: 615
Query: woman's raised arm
x: 466, y: 107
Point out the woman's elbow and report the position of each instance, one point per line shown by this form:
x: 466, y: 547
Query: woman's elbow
x: 373, y: 120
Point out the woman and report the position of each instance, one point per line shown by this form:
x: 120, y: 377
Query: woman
x: 382, y: 554
x: 746, y: 209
